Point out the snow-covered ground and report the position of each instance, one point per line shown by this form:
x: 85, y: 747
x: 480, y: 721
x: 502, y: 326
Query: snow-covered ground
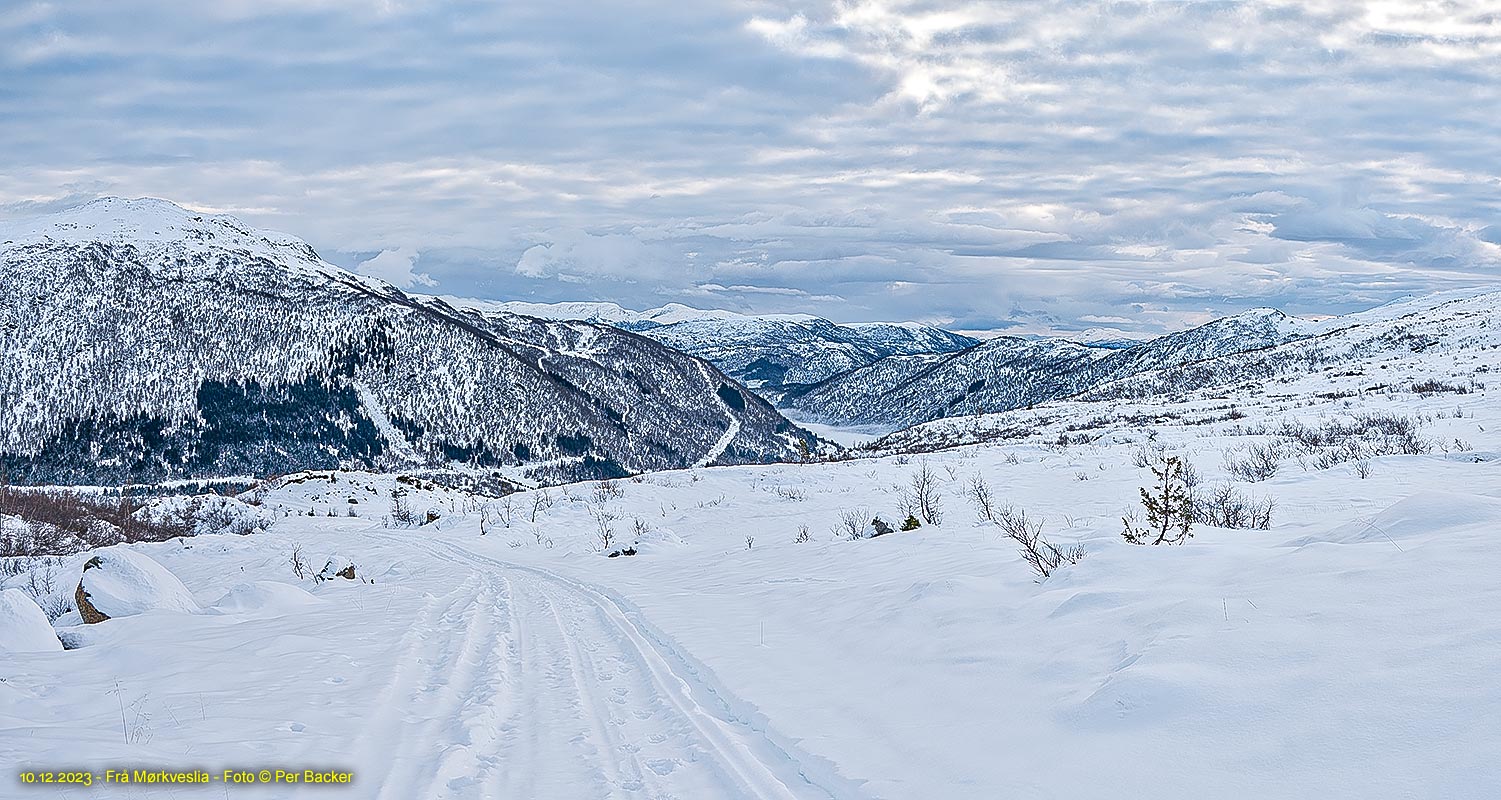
x: 1349, y: 651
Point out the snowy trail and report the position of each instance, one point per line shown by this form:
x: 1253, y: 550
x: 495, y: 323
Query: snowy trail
x: 520, y: 682
x: 730, y: 432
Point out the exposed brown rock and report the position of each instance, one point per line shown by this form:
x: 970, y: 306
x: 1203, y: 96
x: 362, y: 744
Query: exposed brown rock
x: 86, y: 609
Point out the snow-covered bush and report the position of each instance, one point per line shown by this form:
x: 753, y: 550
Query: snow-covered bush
x: 40, y: 577
x: 206, y: 514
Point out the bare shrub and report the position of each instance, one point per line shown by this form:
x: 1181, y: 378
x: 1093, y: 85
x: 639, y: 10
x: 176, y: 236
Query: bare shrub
x: 1225, y: 507
x: 300, y: 567
x: 1259, y: 462
x: 791, y: 493
x: 852, y: 522
x: 604, y: 526
x: 1146, y: 455
x: 541, y: 501
x: 402, y: 513
x: 802, y: 535
x: 58, y: 522
x: 927, y: 501
x: 1042, y: 556
x: 1359, y: 437
x: 605, y: 491
x: 979, y: 494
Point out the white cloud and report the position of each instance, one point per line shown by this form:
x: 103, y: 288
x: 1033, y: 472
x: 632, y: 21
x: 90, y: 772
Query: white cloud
x: 580, y: 254
x: 1038, y: 159
x: 396, y: 267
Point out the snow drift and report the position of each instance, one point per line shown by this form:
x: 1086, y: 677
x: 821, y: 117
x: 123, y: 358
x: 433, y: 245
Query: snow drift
x: 118, y: 582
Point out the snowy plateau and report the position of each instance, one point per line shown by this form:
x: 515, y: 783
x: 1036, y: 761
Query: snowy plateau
x: 364, y: 604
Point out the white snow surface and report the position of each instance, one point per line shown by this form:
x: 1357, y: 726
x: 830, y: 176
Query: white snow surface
x: 121, y: 582
x: 23, y: 626
x: 1349, y: 651
x: 267, y: 598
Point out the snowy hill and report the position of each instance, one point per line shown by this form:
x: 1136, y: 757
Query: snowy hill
x: 768, y: 352
x: 1011, y: 372
x: 142, y: 341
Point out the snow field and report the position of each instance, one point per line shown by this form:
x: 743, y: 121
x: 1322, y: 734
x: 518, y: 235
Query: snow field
x: 1349, y: 651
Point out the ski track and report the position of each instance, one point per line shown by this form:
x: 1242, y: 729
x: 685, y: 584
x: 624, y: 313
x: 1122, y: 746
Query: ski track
x: 730, y: 432
x: 522, y: 683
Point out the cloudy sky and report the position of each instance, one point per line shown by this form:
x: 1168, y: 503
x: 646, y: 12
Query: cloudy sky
x: 985, y: 165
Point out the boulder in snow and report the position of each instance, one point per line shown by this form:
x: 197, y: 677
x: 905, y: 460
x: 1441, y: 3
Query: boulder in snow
x: 263, y: 597
x: 337, y: 567
x: 23, y: 626
x: 119, y: 583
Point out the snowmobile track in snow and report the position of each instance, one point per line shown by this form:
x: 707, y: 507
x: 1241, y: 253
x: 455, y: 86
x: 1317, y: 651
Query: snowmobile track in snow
x: 523, y: 683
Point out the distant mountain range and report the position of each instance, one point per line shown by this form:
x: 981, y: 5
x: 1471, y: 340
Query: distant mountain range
x: 770, y: 353
x: 140, y: 341
x: 1009, y: 372
x: 891, y: 375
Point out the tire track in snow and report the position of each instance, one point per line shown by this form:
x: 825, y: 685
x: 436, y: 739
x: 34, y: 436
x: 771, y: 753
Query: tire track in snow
x: 606, y: 702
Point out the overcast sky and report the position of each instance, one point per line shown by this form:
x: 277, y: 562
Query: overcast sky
x: 1022, y: 165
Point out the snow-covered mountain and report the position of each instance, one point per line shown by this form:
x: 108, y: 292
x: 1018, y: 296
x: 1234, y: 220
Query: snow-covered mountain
x: 142, y: 341
x: 1010, y: 372
x: 769, y: 352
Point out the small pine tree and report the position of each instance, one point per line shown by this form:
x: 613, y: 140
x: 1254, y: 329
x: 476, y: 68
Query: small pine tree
x: 1168, y: 506
x: 911, y: 523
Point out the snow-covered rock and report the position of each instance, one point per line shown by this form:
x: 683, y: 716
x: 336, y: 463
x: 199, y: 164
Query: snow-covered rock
x: 263, y: 598
x: 338, y: 566
x: 23, y: 626
x: 118, y: 582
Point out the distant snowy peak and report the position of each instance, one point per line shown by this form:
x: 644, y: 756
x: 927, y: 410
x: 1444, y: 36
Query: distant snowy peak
x: 1106, y: 338
x: 912, y: 338
x: 150, y: 223
x: 614, y: 314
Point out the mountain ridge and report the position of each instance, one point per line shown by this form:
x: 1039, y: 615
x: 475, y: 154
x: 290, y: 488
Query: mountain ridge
x: 143, y: 341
